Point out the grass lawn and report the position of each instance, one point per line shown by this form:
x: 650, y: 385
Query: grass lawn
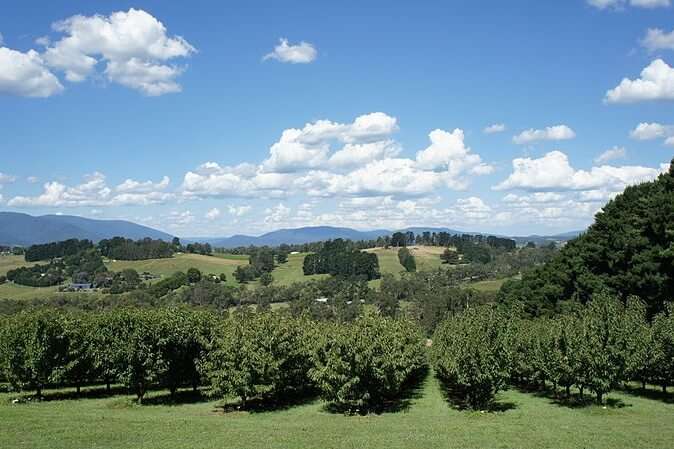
x: 182, y: 262
x: 427, y: 421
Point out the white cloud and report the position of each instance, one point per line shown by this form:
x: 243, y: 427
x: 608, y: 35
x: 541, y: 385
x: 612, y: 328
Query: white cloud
x: 657, y: 39
x: 495, y: 128
x: 656, y: 83
x: 26, y: 75
x: 449, y: 153
x: 366, y: 163
x: 238, y: 211
x: 649, y: 131
x: 559, y: 132
x: 277, y: 214
x: 178, y: 219
x: 6, y: 179
x: 552, y: 172
x: 359, y: 154
x: 670, y: 141
x: 302, y: 53
x: 309, y: 147
x: 32, y: 179
x: 213, y: 214
x: 611, y: 154
x: 134, y: 46
x: 619, y: 4
x: 133, y: 186
x: 92, y: 192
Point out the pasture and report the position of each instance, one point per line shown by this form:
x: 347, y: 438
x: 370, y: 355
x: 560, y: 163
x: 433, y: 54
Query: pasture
x: 424, y: 419
x: 182, y: 262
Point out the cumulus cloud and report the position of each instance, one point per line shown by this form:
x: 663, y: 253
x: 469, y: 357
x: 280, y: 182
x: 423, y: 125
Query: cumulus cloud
x: 656, y: 83
x: 238, y: 211
x: 213, y: 214
x: 495, y: 128
x: 611, y: 154
x: 133, y: 45
x: 553, y: 172
x: 310, y: 146
x: 650, y: 131
x: 326, y: 158
x: 134, y: 186
x: 94, y: 191
x: 657, y: 39
x: 25, y: 74
x: 302, y: 53
x: 558, y: 132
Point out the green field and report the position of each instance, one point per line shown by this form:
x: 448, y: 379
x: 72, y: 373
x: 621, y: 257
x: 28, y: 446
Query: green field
x: 291, y: 271
x: 182, y: 262
x: 11, y: 262
x: 426, y: 420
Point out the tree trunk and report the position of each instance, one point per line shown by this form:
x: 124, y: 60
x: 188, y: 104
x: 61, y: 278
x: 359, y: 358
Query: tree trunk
x: 643, y: 385
x: 39, y: 391
x: 600, y: 396
x: 78, y: 389
x: 581, y: 392
x: 568, y: 391
x: 107, y: 385
x: 664, y: 389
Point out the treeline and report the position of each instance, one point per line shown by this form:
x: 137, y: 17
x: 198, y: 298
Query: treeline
x: 339, y: 258
x: 598, y: 348
x: 406, y: 259
x: 628, y: 250
x: 261, y: 356
x: 54, y: 250
x: 126, y: 249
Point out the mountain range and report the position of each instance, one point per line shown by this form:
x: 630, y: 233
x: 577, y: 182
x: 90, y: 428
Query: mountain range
x: 24, y: 230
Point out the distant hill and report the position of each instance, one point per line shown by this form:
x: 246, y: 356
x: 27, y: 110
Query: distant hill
x: 292, y: 236
x: 24, y: 230
x: 320, y: 233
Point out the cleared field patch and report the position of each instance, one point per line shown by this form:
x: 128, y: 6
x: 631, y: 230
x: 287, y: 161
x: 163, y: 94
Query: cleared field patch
x: 181, y: 262
x: 291, y: 271
x: 528, y: 421
x: 427, y: 257
x: 10, y: 290
x: 11, y: 262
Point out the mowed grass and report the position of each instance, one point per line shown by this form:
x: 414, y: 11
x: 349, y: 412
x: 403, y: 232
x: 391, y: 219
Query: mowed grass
x: 426, y: 421
x: 182, y: 262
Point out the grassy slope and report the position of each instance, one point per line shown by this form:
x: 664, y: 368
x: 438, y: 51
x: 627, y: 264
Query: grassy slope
x: 182, y: 262
x: 428, y: 422
x: 11, y: 262
x: 291, y: 271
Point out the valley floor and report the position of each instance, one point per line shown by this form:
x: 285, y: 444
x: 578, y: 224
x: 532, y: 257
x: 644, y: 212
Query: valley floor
x: 425, y: 420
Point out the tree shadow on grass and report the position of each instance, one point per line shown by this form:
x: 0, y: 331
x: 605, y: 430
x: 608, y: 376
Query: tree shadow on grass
x: 70, y: 394
x: 263, y: 404
x: 573, y: 401
x: 457, y: 400
x: 411, y: 391
x: 650, y: 393
x: 181, y: 397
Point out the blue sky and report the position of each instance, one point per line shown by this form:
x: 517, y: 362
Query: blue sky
x: 195, y: 118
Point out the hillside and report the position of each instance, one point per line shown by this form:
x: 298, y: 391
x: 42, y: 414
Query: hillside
x: 320, y: 233
x: 24, y: 230
x: 629, y: 250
